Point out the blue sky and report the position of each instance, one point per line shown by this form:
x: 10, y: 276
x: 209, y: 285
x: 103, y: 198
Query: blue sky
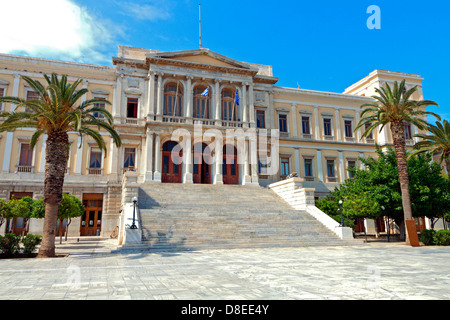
x: 321, y: 45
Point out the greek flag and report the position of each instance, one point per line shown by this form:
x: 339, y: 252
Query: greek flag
x: 237, y: 98
x: 205, y: 93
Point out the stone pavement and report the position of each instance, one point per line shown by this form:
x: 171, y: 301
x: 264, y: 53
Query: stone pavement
x: 94, y: 270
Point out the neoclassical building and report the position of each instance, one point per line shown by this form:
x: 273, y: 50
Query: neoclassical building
x: 192, y: 116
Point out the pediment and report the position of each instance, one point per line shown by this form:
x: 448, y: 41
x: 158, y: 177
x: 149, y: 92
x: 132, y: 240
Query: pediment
x: 202, y: 57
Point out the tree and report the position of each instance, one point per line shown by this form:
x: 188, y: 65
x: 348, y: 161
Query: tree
x: 394, y: 107
x: 438, y: 141
x: 56, y: 112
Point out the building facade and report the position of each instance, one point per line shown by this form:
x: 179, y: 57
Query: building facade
x: 163, y: 100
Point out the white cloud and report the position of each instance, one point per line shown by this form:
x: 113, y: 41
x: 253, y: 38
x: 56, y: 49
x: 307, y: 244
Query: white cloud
x: 58, y: 29
x: 159, y: 10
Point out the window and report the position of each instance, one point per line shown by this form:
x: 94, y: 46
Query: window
x: 132, y: 107
x: 305, y: 125
x: 229, y: 107
x: 308, y: 168
x: 351, y: 164
x: 99, y: 105
x: 262, y: 166
x: 173, y: 100
x: 282, y: 118
x: 285, y: 167
x: 408, y: 135
x: 26, y: 155
x: 370, y: 136
x: 330, y: 169
x: 260, y: 119
x: 129, y: 158
x: 327, y: 127
x: 2, y: 94
x: 348, y: 128
x: 96, y: 158
x: 202, y: 103
x: 31, y: 95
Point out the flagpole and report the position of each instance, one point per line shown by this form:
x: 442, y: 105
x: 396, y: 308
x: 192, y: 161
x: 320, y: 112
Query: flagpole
x: 200, y: 25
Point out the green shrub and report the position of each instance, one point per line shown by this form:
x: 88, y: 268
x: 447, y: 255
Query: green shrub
x: 442, y: 238
x: 30, y: 241
x: 427, y: 237
x: 9, y: 244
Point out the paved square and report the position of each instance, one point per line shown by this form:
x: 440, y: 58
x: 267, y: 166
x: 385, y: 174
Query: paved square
x: 368, y: 271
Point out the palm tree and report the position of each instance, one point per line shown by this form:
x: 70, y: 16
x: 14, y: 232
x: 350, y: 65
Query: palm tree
x: 394, y: 107
x: 436, y: 142
x: 56, y: 112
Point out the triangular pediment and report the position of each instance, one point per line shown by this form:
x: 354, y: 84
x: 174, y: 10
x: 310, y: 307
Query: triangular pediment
x: 203, y: 57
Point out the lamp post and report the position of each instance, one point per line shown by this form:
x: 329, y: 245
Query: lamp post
x: 342, y: 214
x: 133, y: 226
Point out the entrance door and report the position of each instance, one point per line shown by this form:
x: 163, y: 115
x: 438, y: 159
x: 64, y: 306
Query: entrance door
x: 91, y: 221
x: 230, y: 167
x: 171, y: 162
x: 17, y: 225
x: 202, y: 169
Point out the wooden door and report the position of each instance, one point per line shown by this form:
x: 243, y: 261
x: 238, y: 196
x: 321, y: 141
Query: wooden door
x: 171, y: 163
x: 201, y: 167
x: 17, y: 225
x: 91, y: 221
x: 230, y: 167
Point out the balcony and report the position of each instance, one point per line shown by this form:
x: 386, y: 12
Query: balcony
x: 95, y: 171
x: 173, y: 119
x: 24, y: 168
x: 332, y: 179
x: 205, y: 122
x: 232, y: 124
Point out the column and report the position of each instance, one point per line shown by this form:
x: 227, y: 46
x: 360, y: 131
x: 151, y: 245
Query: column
x: 357, y: 133
x: 271, y: 111
x: 187, y: 160
x: 297, y: 161
x: 15, y: 92
x: 158, y: 155
x: 319, y: 165
x: 316, y: 123
x: 44, y: 147
x: 338, y: 125
x: 149, y: 157
x: 294, y: 120
x: 362, y: 166
x: 113, y: 160
x: 117, y: 107
x: 254, y: 160
x: 79, y: 158
x: 341, y: 166
x: 244, y: 105
x: 247, y: 174
x: 251, y: 106
x: 218, y: 114
x: 159, y: 98
x: 8, y: 151
x: 414, y: 132
x: 189, y: 99
x: 151, y: 97
x: 218, y: 160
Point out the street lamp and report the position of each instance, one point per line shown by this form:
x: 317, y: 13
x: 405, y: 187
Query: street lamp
x: 342, y: 214
x: 133, y: 226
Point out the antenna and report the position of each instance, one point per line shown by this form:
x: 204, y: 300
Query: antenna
x: 200, y: 25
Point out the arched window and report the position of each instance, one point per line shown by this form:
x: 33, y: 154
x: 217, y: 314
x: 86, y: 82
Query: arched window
x: 173, y: 99
x: 202, y: 102
x: 229, y: 107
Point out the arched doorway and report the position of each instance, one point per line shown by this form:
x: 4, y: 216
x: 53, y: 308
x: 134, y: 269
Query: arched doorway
x: 172, y: 156
x: 230, y: 167
x: 201, y: 156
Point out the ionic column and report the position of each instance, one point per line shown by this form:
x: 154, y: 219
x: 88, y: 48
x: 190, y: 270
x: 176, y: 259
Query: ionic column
x: 8, y: 151
x: 338, y: 125
x: 158, y: 155
x: 151, y: 97
x: 254, y: 160
x: 247, y: 175
x: 218, y: 178
x: 319, y: 165
x: 44, y: 147
x: 79, y: 159
x: 357, y: 133
x: 187, y: 160
x: 297, y: 161
x: 217, y: 102
x: 244, y: 104
x: 341, y: 166
x: 159, y: 98
x: 149, y: 157
x: 188, y: 93
x: 251, y: 106
x: 294, y: 120
x: 316, y: 123
x: 15, y: 92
